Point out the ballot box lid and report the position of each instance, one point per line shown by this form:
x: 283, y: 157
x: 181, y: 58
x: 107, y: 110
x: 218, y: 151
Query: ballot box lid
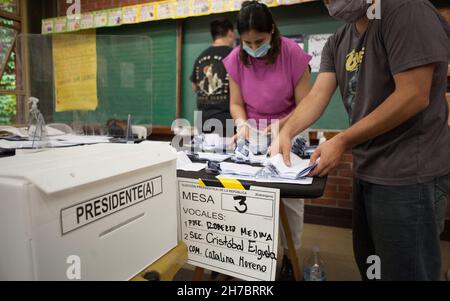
x: 56, y: 170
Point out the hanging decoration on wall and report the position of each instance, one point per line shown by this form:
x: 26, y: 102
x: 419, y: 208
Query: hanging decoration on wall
x: 169, y: 9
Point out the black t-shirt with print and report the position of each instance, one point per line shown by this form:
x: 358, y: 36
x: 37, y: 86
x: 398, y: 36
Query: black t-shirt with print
x: 410, y: 34
x: 211, y: 78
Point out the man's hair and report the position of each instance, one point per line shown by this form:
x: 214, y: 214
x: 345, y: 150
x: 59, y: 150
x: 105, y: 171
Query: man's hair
x: 220, y: 28
x: 256, y: 16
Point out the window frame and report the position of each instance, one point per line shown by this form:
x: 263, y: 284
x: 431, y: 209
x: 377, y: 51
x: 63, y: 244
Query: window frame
x: 17, y: 25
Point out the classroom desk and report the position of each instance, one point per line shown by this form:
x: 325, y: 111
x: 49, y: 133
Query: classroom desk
x: 315, y: 190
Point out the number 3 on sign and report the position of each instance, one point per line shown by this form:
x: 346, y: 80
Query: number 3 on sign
x: 242, y: 199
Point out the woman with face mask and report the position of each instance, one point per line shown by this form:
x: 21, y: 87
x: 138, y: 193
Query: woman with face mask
x: 269, y: 76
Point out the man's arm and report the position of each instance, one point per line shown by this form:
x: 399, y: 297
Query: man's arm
x: 410, y: 97
x: 307, y: 112
x: 303, y: 87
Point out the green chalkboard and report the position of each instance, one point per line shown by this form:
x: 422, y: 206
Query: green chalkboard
x: 305, y: 19
x: 136, y: 74
x: 163, y: 36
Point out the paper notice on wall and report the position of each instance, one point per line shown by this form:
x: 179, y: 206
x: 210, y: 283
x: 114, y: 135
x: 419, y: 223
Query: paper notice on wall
x: 115, y: 17
x: 75, y: 72
x: 315, y: 46
x: 289, y: 2
x: 73, y: 22
x: 200, y: 7
x: 233, y: 232
x: 164, y: 10
x: 60, y: 25
x: 237, y: 4
x: 87, y: 20
x: 147, y: 13
x: 181, y: 9
x: 130, y: 14
x: 101, y: 19
x: 270, y: 3
x: 218, y: 6
x: 48, y: 26
x: 228, y: 5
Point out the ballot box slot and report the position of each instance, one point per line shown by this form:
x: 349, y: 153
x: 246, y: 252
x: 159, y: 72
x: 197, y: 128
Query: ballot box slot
x: 121, y: 225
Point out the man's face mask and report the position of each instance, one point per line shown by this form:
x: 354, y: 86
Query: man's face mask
x: 348, y: 11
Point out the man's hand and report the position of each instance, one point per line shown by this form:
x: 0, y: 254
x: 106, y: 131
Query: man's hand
x: 282, y: 145
x: 330, y: 154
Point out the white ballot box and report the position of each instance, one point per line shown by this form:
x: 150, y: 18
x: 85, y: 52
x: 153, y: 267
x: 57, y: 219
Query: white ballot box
x: 99, y: 212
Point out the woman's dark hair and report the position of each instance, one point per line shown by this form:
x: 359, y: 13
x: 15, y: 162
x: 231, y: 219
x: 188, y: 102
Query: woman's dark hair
x: 257, y: 17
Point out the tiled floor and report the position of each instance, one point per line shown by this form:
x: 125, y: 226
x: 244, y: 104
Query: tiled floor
x: 336, y: 251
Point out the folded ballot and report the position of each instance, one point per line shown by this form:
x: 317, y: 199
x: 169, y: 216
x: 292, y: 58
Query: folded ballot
x: 185, y: 164
x: 211, y: 142
x: 238, y: 169
x: 213, y: 157
x: 299, y: 168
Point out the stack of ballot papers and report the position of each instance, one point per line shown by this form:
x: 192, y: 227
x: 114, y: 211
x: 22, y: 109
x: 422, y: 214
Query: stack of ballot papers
x: 213, y: 157
x: 299, y: 168
x: 239, y: 169
x: 23, y: 132
x: 185, y: 164
x: 303, y: 181
x: 211, y: 142
x: 258, y: 159
x: 79, y: 139
x: 259, y: 141
x: 53, y: 141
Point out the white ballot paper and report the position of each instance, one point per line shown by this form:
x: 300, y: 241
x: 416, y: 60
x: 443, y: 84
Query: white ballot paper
x: 185, y: 164
x: 213, y: 157
x: 299, y: 169
x: 303, y: 181
x: 214, y: 142
x: 239, y: 169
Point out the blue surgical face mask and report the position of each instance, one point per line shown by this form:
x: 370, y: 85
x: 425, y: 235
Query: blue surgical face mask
x: 260, y: 52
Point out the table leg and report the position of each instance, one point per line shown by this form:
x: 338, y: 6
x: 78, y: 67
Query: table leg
x: 290, y: 243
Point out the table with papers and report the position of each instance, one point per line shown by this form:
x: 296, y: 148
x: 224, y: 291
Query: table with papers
x: 311, y: 188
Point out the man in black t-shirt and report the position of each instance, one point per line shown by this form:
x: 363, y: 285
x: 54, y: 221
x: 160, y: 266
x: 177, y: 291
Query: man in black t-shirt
x: 209, y: 77
x: 390, y: 63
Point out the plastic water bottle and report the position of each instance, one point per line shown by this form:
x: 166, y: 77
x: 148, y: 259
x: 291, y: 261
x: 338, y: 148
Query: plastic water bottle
x: 37, y: 131
x: 314, y: 267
